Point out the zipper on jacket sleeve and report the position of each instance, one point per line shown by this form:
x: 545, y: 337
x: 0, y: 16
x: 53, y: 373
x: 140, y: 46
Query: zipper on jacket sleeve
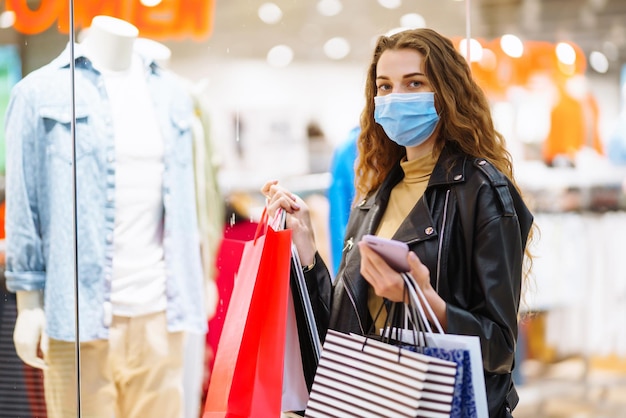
x: 443, y: 228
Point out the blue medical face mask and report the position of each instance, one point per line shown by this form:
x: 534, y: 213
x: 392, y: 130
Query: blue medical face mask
x: 408, y: 119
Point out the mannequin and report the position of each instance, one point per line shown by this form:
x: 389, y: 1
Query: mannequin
x: 109, y: 45
x: 139, y: 267
x: 28, y: 334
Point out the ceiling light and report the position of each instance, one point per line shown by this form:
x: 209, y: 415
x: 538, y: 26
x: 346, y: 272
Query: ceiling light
x: 390, y: 4
x: 280, y: 56
x: 475, y: 49
x: 512, y: 46
x: 329, y: 7
x: 337, y: 48
x: 270, y: 13
x: 7, y: 19
x: 150, y: 3
x: 599, y: 62
x: 412, y: 21
x: 565, y: 53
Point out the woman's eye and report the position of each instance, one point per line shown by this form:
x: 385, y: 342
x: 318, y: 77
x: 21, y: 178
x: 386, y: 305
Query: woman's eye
x: 384, y: 87
x: 415, y: 84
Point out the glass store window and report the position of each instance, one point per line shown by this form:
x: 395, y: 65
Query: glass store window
x: 76, y: 180
x: 36, y: 109
x: 181, y: 109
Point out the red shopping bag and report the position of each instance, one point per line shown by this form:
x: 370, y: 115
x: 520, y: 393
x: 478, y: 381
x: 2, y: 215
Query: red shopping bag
x: 246, y: 380
x: 227, y: 263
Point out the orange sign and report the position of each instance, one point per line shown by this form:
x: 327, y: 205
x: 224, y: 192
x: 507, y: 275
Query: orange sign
x: 170, y: 19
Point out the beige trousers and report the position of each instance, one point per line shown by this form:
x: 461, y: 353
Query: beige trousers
x: 136, y: 373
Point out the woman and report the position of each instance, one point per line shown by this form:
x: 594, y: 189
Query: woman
x: 432, y: 172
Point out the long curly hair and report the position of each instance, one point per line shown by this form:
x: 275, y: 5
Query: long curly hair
x: 464, y: 111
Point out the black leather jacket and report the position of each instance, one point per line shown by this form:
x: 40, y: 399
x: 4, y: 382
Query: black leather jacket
x: 470, y: 229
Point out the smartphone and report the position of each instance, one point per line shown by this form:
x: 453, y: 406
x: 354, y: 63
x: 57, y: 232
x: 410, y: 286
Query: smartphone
x: 392, y: 251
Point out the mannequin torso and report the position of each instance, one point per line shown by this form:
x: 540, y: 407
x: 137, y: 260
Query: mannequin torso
x: 138, y: 280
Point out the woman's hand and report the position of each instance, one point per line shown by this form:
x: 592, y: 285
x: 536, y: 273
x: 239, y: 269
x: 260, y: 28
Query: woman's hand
x: 298, y: 219
x: 389, y: 284
x: 385, y: 281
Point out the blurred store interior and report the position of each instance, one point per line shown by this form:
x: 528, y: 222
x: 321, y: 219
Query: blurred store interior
x: 282, y: 82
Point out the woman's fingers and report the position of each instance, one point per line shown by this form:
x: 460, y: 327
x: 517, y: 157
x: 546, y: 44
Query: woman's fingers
x: 298, y: 219
x: 266, y: 188
x: 277, y: 197
x: 385, y: 281
x: 419, y: 271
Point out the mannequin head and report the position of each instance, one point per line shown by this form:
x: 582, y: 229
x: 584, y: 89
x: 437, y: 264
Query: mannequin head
x: 109, y: 43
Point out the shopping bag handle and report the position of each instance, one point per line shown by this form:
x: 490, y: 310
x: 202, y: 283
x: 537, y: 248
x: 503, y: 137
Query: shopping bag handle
x: 393, y: 335
x: 277, y: 223
x: 261, y: 228
x: 419, y: 299
x: 412, y: 315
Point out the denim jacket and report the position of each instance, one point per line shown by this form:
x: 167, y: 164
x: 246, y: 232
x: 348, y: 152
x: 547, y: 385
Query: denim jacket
x: 39, y: 211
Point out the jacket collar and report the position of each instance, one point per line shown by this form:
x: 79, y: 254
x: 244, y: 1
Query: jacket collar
x: 419, y: 225
x: 450, y: 167
x: 81, y: 59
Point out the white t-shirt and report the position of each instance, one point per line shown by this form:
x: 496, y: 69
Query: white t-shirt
x: 138, y: 283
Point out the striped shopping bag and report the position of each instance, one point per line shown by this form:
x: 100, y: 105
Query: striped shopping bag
x: 362, y: 377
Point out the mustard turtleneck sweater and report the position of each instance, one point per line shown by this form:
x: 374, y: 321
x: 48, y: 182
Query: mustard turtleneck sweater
x: 403, y: 198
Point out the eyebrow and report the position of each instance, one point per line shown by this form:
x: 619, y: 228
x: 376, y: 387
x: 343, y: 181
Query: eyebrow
x: 404, y: 76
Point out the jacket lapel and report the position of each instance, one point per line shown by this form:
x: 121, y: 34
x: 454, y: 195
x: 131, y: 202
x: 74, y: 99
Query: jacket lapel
x: 418, y: 226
